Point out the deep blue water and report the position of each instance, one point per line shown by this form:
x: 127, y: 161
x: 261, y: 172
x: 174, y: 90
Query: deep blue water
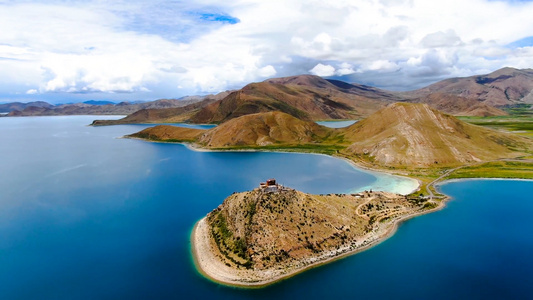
x: 84, y: 215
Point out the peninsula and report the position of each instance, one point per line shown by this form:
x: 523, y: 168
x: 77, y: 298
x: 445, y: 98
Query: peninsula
x: 258, y: 237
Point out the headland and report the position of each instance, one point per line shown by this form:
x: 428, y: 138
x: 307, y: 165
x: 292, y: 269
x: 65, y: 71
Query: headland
x: 268, y: 234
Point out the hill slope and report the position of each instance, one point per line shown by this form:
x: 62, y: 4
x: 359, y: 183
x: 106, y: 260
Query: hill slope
x: 264, y: 129
x: 415, y: 135
x: 255, y: 130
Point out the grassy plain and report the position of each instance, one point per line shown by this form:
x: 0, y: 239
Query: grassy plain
x: 519, y: 120
x: 496, y: 169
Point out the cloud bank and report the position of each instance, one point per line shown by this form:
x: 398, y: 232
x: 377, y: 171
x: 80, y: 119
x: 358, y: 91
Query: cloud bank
x: 145, y: 50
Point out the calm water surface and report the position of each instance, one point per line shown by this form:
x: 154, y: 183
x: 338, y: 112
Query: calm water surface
x: 337, y: 124
x: 84, y: 215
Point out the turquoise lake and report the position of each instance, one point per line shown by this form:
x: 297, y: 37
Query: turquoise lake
x: 87, y: 215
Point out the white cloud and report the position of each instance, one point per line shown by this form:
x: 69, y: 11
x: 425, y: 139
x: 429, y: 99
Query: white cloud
x: 441, y: 39
x: 32, y: 92
x: 492, y: 51
x: 345, y: 69
x: 149, y: 48
x: 267, y: 71
x: 381, y: 66
x: 323, y: 70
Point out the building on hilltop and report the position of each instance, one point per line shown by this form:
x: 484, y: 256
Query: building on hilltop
x: 270, y: 186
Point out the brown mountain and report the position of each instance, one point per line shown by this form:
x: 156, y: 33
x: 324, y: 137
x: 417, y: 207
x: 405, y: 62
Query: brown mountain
x: 415, y: 135
x: 506, y: 86
x: 262, y: 129
x: 341, y: 86
x: 306, y: 97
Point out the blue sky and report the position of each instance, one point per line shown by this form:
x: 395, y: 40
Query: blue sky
x: 69, y: 51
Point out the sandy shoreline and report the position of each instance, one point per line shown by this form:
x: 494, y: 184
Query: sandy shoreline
x: 377, y: 172
x: 213, y: 269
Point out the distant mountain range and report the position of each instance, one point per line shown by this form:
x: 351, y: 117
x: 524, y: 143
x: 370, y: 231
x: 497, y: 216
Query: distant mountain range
x: 12, y: 106
x: 99, y: 102
x: 94, y: 107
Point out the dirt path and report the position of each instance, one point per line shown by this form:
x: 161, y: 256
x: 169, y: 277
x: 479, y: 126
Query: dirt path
x: 431, y: 195
x: 359, y: 207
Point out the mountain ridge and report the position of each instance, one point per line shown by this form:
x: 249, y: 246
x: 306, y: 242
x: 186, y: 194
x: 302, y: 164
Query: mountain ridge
x: 307, y: 97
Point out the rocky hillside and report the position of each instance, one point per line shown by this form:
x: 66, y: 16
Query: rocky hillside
x: 506, y: 86
x: 415, y: 135
x: 269, y: 231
